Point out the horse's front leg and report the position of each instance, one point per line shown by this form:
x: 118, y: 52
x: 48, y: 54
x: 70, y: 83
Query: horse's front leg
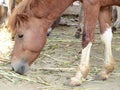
x: 91, y: 12
x: 106, y: 36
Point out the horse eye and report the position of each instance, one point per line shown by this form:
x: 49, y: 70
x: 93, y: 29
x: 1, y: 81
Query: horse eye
x: 20, y: 35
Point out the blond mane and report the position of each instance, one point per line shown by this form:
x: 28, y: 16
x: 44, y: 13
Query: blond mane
x: 23, y: 8
x: 40, y: 9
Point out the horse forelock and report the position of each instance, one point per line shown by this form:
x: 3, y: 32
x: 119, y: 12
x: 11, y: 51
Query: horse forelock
x: 20, y: 15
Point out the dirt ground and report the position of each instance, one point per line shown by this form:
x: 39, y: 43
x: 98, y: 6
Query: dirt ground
x: 58, y: 62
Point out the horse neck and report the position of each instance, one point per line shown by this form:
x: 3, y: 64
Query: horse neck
x: 51, y: 9
x: 110, y: 2
x: 62, y: 5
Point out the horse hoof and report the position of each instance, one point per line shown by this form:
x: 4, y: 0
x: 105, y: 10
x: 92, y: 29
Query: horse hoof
x: 114, y: 29
x: 77, y: 35
x: 101, y: 76
x: 74, y: 82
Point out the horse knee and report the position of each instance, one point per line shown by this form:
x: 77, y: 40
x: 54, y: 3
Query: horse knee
x: 85, y: 40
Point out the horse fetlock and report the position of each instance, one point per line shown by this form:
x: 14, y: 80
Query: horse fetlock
x: 84, y: 69
x: 103, y: 75
x: 109, y: 68
x: 80, y: 75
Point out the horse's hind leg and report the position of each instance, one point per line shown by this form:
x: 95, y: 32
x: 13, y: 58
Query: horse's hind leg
x: 106, y: 36
x: 117, y: 22
x: 79, y: 26
x: 91, y: 12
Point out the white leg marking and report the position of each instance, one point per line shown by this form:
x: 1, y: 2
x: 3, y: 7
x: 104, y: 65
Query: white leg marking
x: 107, y: 39
x: 107, y: 36
x: 84, y: 64
x: 109, y: 60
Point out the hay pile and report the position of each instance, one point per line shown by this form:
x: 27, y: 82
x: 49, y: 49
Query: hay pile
x: 6, y: 45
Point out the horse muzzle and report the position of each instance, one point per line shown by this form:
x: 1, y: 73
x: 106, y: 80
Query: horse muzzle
x: 20, y: 67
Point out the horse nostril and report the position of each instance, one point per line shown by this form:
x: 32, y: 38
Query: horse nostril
x: 20, y: 67
x: 21, y: 70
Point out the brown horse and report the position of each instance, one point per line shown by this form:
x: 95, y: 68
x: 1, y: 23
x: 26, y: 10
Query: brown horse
x: 31, y: 19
